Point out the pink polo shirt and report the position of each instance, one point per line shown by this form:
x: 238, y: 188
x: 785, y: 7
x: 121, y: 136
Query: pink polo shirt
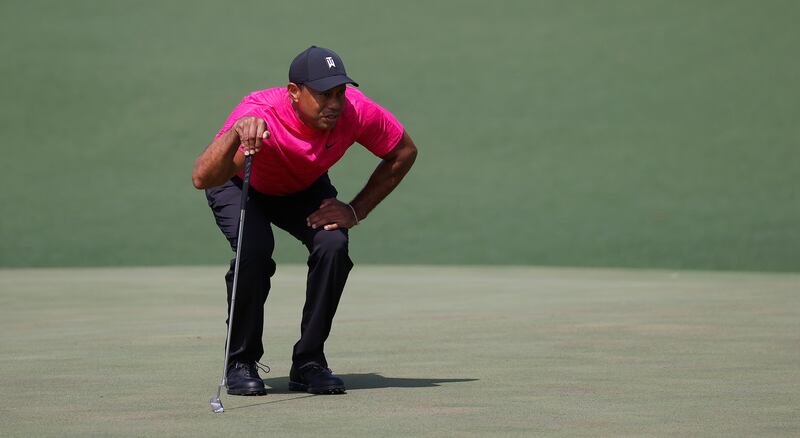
x: 295, y: 155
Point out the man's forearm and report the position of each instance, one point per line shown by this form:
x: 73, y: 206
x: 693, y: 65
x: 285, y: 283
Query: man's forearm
x: 386, y: 177
x: 217, y: 163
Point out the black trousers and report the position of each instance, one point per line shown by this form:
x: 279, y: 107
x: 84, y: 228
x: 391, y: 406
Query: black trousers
x: 328, y: 265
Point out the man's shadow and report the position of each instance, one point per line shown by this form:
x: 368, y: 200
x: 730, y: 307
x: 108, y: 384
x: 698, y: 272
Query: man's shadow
x: 280, y: 385
x: 353, y: 382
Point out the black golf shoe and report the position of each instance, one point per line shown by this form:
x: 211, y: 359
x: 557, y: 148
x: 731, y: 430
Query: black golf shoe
x: 243, y: 379
x: 315, y: 379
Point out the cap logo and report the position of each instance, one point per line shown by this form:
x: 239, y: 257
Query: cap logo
x: 329, y: 60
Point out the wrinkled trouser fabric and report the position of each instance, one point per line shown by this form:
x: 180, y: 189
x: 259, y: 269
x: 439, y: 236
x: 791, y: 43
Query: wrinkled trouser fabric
x: 328, y: 265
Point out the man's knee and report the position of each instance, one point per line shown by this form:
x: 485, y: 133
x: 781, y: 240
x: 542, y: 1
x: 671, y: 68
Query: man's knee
x: 261, y: 263
x: 258, y: 253
x: 331, y: 243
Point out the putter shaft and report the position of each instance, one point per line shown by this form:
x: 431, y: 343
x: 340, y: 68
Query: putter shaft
x: 216, y: 403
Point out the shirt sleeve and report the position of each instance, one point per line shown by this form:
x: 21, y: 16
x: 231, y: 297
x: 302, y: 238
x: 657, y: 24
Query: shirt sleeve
x: 379, y: 130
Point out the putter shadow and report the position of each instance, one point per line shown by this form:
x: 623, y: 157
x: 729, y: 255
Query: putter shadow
x: 354, y: 382
x: 270, y: 402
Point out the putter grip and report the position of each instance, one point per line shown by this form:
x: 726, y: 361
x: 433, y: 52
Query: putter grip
x: 248, y: 161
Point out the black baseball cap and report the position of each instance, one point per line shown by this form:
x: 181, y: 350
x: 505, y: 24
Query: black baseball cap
x: 319, y: 68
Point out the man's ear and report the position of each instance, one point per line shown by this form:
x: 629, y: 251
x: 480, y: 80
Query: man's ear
x: 294, y: 91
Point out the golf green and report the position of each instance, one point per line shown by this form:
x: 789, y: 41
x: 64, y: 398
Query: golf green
x: 425, y: 351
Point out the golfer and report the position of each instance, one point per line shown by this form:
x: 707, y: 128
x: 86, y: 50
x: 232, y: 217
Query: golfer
x: 295, y: 135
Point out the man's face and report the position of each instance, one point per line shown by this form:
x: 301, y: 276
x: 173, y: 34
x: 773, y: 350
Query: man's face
x: 318, y: 109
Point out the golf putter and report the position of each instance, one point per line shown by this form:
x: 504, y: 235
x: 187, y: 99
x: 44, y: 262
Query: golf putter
x: 216, y: 403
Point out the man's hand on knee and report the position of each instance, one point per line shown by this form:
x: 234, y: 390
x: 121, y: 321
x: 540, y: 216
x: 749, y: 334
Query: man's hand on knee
x: 332, y: 215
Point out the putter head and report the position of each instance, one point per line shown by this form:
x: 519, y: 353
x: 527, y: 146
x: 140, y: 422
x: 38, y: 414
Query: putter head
x: 216, y: 405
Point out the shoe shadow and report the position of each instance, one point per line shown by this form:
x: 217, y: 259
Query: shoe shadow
x: 354, y: 382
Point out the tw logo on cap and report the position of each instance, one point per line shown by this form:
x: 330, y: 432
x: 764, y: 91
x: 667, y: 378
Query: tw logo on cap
x: 330, y: 62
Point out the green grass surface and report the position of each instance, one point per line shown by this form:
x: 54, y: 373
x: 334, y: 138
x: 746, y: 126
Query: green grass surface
x: 639, y: 133
x: 425, y: 351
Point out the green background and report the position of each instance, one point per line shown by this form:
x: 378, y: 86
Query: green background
x: 585, y: 133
